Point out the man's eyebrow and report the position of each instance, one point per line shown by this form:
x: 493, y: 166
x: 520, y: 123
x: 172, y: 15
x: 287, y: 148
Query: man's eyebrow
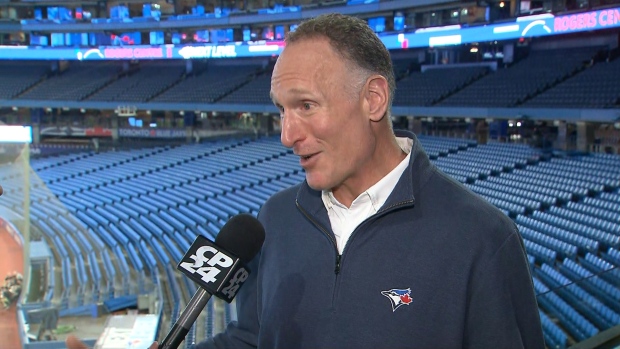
x: 299, y: 91
x: 294, y: 91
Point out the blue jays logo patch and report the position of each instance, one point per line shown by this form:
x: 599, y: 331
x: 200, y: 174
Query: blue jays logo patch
x: 398, y: 297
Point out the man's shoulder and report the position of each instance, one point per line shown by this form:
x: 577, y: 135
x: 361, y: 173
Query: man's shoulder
x: 468, y: 209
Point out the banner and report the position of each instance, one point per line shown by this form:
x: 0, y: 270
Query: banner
x: 151, y: 133
x: 194, y: 51
x: 72, y: 131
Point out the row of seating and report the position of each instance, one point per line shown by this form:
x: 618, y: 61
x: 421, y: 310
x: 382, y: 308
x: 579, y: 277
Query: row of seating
x: 584, y: 244
x: 585, y: 164
x: 529, y: 205
x: 544, y: 199
x: 594, y: 88
x: 603, y: 290
x: 596, y: 313
x: 524, y: 176
x: 575, y: 323
x: 554, y: 336
x: 540, y: 253
x: 588, y: 220
x: 615, y: 197
x: 563, y: 249
x: 606, y: 239
x: 523, y: 79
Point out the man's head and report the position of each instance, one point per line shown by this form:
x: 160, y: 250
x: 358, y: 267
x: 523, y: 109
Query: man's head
x: 354, y: 41
x: 333, y: 84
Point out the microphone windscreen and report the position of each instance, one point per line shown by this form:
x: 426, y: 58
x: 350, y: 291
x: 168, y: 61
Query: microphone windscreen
x: 243, y: 235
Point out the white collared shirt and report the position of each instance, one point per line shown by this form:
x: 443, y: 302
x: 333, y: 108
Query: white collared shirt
x: 344, y: 220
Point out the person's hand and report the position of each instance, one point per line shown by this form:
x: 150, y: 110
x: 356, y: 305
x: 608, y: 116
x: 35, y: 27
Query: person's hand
x: 75, y: 343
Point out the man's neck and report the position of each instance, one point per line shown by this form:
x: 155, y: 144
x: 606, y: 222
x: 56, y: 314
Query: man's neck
x: 385, y: 158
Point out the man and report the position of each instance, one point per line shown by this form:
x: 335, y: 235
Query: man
x: 377, y: 248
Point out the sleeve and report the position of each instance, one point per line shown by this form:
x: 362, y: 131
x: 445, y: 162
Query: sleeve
x: 502, y: 310
x: 242, y: 333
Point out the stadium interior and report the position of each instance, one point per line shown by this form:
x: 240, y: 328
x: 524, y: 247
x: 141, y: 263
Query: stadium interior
x: 150, y: 123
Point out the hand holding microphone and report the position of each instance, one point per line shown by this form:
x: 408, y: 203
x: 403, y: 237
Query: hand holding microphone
x: 218, y: 268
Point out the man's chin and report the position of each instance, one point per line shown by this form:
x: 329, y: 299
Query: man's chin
x: 316, y: 184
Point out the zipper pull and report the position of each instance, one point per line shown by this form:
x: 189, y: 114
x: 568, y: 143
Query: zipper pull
x: 338, y: 264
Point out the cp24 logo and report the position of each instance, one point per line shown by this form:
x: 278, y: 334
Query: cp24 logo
x: 208, y: 269
x: 233, y: 286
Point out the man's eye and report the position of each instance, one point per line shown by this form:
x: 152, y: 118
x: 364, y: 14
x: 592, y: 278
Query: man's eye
x: 307, y: 106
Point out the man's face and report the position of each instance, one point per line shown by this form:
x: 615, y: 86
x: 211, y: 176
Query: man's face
x: 324, y: 117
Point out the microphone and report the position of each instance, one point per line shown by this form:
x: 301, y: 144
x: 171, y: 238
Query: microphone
x: 218, y: 268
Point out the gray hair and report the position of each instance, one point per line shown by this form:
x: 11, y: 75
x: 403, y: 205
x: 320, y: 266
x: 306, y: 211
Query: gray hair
x: 355, y: 41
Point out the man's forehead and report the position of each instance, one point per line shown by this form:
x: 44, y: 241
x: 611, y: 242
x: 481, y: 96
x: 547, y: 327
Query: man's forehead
x: 303, y: 60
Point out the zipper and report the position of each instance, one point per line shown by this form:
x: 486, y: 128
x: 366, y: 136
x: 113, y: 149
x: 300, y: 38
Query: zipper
x: 338, y: 264
x: 331, y: 238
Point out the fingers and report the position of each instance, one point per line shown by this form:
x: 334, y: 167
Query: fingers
x: 154, y: 346
x: 74, y: 343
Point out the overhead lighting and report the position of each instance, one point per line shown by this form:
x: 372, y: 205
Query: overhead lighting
x: 436, y: 29
x: 473, y: 50
x: 501, y: 4
x: 444, y: 40
x: 534, y: 17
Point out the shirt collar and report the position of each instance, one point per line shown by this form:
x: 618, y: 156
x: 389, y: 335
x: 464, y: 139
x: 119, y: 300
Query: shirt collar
x: 380, y: 191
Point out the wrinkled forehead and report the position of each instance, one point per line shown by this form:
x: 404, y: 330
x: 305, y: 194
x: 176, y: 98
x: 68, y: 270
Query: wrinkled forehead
x: 305, y: 61
x: 306, y: 54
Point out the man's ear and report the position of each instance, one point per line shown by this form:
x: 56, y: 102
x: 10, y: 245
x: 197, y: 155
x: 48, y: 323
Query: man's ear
x: 377, y: 95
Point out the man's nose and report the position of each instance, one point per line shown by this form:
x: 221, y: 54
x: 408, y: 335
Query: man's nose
x: 291, y: 131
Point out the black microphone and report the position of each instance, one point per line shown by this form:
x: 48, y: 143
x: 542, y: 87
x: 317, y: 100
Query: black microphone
x: 218, y: 268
